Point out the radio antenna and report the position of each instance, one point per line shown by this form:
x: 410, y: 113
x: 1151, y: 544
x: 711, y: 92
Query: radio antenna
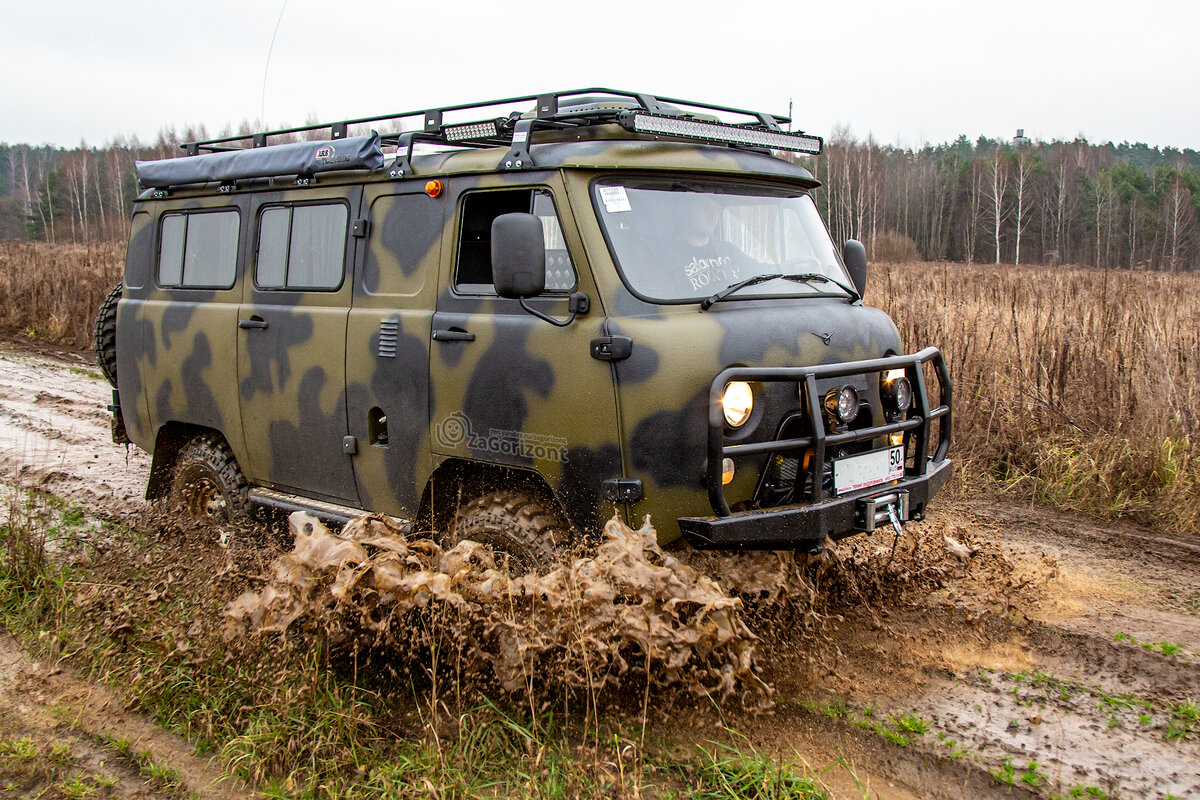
x: 262, y: 114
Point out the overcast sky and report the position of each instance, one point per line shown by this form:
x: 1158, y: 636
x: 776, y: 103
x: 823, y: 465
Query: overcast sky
x: 906, y: 72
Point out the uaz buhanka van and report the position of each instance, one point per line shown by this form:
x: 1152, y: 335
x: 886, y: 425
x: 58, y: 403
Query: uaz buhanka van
x: 504, y: 328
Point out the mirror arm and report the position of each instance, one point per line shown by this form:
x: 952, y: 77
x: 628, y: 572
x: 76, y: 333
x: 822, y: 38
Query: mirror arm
x: 558, y: 323
x: 578, y: 304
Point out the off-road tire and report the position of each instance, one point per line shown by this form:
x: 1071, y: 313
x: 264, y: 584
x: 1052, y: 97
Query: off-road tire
x: 208, y: 482
x: 104, y: 336
x: 527, y: 530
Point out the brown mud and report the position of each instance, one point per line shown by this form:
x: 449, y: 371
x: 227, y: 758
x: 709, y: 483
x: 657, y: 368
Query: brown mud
x: 998, y: 650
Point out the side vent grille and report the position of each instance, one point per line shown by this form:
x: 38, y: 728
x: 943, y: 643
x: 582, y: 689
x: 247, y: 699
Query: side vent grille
x: 389, y: 332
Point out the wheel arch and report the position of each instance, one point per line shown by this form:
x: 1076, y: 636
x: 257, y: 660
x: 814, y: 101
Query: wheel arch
x: 171, y: 438
x: 458, y: 481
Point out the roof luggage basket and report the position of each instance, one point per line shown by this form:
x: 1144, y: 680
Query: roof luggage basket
x: 636, y: 112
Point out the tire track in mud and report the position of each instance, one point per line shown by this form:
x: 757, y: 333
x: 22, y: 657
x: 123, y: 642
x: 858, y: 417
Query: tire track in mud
x: 45, y: 699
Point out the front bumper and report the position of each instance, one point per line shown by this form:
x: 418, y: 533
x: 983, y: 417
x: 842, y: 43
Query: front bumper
x: 801, y: 527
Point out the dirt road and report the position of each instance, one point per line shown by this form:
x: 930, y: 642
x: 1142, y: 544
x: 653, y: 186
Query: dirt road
x: 1074, y: 671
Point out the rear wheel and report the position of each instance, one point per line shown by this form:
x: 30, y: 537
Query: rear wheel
x: 104, y: 335
x: 208, y: 483
x: 527, y: 530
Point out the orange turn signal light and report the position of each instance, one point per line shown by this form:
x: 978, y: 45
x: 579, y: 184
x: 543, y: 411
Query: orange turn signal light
x: 433, y: 188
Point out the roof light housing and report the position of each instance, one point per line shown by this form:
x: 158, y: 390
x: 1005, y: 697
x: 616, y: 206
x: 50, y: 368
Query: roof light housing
x: 722, y: 132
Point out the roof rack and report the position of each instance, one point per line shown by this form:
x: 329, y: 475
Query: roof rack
x: 637, y: 112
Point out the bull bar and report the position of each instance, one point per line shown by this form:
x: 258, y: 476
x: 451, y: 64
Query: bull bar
x: 824, y: 515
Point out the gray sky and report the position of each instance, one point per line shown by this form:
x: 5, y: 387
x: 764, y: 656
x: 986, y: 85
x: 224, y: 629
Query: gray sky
x: 906, y: 72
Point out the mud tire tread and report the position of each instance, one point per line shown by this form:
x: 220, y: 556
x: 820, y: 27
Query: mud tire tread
x: 104, y: 335
x: 210, y: 453
x: 525, y: 526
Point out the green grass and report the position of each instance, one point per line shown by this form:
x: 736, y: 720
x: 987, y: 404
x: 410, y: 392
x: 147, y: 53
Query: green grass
x: 1005, y: 773
x: 727, y: 772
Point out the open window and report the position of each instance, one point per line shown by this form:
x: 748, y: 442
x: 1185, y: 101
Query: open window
x: 473, y: 273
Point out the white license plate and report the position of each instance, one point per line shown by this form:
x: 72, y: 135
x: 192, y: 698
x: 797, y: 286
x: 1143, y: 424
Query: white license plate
x: 869, y: 469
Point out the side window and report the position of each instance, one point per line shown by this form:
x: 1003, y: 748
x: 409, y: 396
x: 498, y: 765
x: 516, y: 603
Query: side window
x: 198, y: 250
x: 474, y: 271
x: 301, y: 247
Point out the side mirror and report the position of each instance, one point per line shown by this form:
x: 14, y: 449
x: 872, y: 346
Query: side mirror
x: 854, y: 255
x: 518, y: 256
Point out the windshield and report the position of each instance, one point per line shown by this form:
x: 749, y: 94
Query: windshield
x: 680, y: 240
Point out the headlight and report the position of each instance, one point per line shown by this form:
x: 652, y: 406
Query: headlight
x: 896, y: 391
x: 842, y: 403
x: 738, y: 402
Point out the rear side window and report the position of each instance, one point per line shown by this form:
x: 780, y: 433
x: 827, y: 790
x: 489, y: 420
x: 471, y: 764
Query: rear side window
x: 198, y: 250
x: 301, y: 247
x: 474, y: 272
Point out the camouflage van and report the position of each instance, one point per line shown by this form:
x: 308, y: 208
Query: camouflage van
x: 505, y: 327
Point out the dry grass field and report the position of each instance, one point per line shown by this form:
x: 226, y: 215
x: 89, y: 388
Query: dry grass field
x: 1075, y: 385
x: 51, y: 291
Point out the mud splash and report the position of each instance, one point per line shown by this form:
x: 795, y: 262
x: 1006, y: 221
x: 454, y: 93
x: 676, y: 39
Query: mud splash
x: 630, y: 614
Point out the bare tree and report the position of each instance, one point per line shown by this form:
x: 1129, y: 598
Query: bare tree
x: 1025, y: 165
x: 997, y: 185
x: 1180, y: 219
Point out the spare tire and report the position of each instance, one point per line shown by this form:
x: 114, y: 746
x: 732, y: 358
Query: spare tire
x: 104, y: 337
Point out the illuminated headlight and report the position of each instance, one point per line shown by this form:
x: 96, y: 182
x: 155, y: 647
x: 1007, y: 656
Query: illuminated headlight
x: 842, y: 403
x: 896, y: 391
x: 474, y: 130
x: 722, y: 132
x: 737, y: 402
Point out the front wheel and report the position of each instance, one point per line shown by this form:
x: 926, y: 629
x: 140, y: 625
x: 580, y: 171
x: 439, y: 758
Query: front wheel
x: 208, y: 483
x: 529, y: 531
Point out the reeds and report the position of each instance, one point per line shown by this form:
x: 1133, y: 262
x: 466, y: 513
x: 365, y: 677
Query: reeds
x: 1078, y: 384
x: 52, y: 291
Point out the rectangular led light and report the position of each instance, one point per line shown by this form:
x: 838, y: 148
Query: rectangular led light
x: 474, y: 130
x: 729, y: 134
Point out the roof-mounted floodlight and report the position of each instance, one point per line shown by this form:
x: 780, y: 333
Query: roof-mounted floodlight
x: 473, y: 130
x: 639, y: 122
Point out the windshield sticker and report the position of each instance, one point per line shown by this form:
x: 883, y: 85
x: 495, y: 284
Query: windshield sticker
x: 704, y: 272
x: 615, y: 199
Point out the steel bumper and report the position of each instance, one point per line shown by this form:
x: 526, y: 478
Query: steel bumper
x: 801, y: 527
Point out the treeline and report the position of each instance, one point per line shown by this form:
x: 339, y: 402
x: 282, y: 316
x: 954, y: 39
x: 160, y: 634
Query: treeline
x: 1127, y: 205
x: 1021, y: 202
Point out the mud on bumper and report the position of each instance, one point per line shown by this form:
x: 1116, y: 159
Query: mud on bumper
x: 805, y: 525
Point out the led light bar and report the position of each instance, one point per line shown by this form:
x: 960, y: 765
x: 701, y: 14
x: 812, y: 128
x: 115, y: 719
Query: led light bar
x: 722, y: 132
x: 474, y: 130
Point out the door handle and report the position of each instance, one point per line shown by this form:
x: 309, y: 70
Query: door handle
x: 254, y: 324
x: 452, y: 335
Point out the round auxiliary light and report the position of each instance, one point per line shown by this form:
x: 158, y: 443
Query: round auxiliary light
x: 842, y: 403
x: 897, y: 391
x: 433, y: 188
x: 737, y: 402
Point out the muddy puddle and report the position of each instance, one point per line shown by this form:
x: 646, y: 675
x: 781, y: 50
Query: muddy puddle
x: 55, y: 436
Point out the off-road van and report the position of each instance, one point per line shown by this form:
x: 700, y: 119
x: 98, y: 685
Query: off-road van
x: 602, y: 299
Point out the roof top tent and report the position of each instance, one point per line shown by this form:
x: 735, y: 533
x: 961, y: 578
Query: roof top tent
x: 227, y: 160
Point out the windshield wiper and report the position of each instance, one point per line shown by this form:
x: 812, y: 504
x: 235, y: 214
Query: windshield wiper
x: 801, y: 277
